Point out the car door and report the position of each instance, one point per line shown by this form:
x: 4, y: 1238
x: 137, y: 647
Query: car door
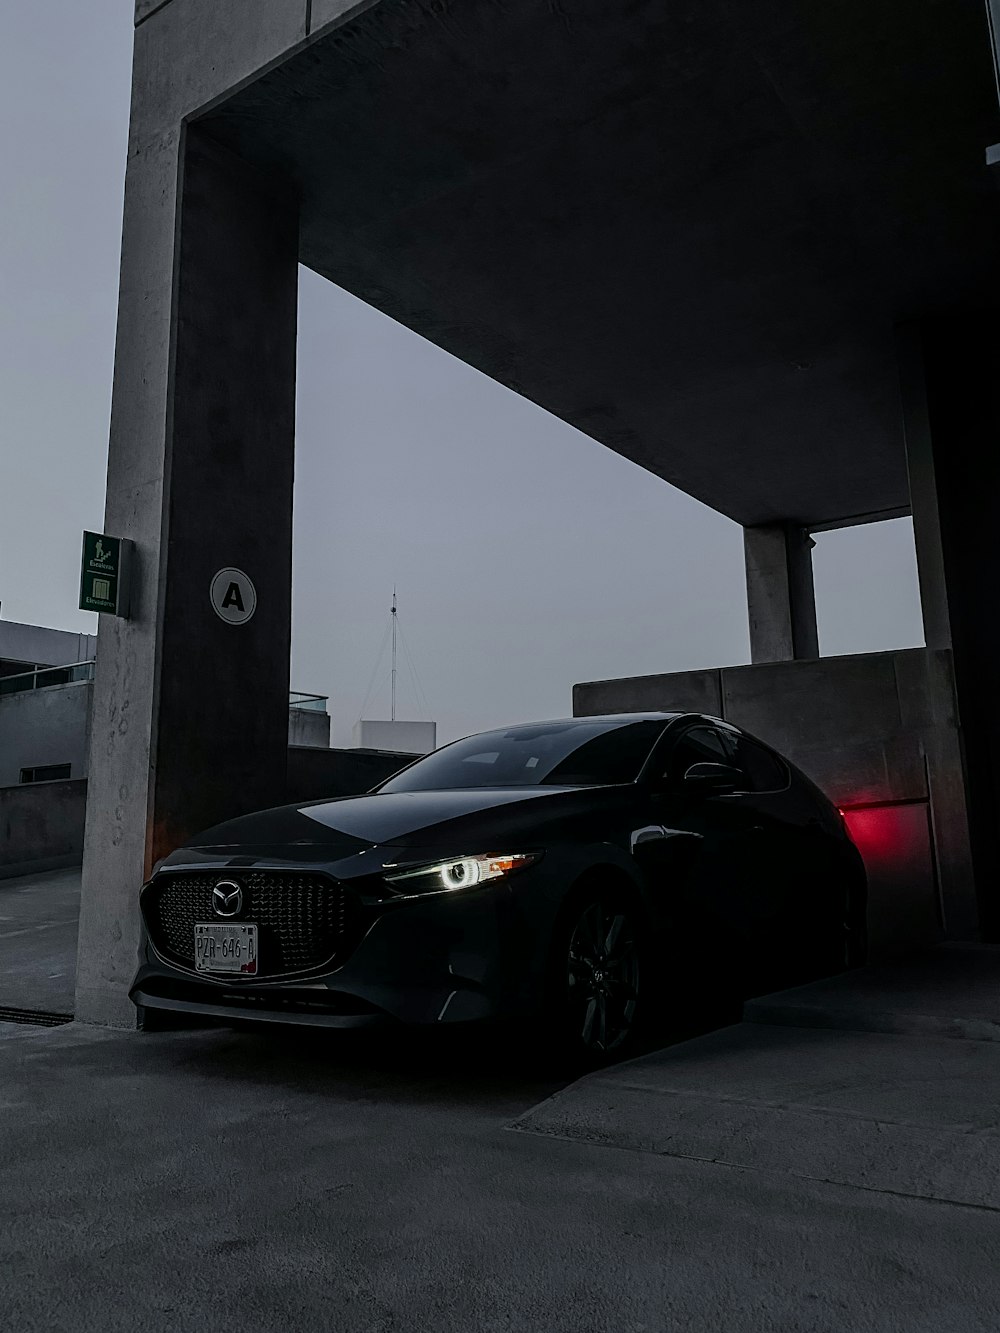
x: 709, y: 857
x: 802, y: 891
x: 781, y: 857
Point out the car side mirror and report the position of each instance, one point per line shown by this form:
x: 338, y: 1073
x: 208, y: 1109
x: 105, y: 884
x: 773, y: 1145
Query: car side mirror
x: 714, y: 779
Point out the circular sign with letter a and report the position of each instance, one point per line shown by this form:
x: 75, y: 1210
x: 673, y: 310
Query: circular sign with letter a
x: 234, y: 598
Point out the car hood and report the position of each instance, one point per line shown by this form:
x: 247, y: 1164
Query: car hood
x: 334, y: 829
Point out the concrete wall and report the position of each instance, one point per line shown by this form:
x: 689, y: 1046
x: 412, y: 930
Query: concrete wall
x: 52, y: 726
x: 879, y: 734
x: 307, y: 726
x: 41, y: 826
x: 408, y: 737
x: 314, y: 774
x: 47, y: 726
x: 44, y: 647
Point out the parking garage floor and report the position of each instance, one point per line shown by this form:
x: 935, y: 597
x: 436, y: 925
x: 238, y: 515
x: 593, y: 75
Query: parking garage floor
x: 757, y: 1178
x: 281, y: 1181
x: 38, y: 927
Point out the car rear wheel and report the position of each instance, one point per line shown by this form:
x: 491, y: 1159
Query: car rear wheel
x: 597, y: 977
x: 856, y: 945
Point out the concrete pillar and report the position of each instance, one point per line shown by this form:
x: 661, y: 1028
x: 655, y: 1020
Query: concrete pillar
x: 949, y: 372
x: 190, y: 721
x: 781, y: 599
x: 923, y: 489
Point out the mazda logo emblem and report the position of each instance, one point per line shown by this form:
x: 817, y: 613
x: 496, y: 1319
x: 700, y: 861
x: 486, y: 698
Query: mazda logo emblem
x: 227, y: 898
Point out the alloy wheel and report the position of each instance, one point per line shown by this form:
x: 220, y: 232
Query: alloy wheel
x: 603, y: 976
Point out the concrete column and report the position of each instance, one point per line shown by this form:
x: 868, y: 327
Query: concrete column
x: 950, y: 369
x: 781, y: 599
x: 923, y: 489
x: 190, y: 721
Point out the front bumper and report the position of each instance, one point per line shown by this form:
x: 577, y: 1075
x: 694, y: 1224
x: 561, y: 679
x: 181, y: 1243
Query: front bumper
x: 452, y: 958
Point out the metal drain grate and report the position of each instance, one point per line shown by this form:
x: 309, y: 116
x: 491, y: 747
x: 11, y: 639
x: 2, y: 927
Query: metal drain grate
x: 40, y: 1018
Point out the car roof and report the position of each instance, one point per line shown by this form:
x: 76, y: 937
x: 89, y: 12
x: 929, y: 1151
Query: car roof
x: 620, y: 719
x: 588, y: 720
x: 660, y: 717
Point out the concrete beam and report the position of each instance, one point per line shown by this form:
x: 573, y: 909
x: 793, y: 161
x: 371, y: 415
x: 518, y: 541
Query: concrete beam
x: 190, y: 716
x: 188, y: 53
x: 145, y: 9
x: 781, y: 397
x: 781, y: 599
x: 327, y: 13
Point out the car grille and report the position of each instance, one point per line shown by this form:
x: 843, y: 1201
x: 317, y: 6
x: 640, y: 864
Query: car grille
x: 302, y: 919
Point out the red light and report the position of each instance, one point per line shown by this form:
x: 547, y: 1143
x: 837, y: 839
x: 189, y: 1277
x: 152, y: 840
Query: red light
x: 880, y: 832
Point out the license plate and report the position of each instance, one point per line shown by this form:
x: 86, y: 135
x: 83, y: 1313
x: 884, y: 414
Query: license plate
x: 225, y: 948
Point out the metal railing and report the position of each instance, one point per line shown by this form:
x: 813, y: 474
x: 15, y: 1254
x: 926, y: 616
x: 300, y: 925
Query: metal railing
x: 40, y: 677
x: 311, y: 703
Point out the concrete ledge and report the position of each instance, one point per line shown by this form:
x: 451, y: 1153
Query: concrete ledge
x: 870, y: 1111
x: 689, y: 691
x: 952, y: 991
x: 41, y: 826
x: 39, y: 865
x: 878, y: 1020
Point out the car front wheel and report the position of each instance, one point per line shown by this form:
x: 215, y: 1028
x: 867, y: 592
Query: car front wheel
x: 597, y: 977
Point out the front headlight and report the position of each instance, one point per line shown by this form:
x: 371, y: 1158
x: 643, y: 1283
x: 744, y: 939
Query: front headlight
x: 462, y: 873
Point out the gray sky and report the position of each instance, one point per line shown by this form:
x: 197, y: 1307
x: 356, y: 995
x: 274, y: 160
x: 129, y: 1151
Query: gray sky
x: 526, y: 556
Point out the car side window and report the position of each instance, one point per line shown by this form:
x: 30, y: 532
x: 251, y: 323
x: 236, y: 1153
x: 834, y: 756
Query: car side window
x: 764, y: 770
x: 698, y: 745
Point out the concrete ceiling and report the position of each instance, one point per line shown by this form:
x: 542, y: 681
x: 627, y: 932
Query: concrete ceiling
x: 685, y: 226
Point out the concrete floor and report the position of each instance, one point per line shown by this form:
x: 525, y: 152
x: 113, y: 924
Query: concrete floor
x: 224, y: 1180
x: 757, y: 1178
x: 38, y: 925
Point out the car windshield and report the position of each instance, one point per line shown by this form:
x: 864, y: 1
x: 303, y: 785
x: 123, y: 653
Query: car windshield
x: 570, y: 754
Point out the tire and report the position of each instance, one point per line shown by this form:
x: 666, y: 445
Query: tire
x: 856, y: 917
x: 843, y: 944
x: 856, y: 951
x: 597, y: 982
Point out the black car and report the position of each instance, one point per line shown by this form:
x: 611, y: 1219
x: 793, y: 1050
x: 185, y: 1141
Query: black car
x: 576, y: 871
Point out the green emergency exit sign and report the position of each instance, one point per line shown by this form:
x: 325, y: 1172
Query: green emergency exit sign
x: 104, y: 574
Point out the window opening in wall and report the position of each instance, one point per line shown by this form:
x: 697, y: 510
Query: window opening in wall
x: 867, y: 594
x: 46, y: 773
